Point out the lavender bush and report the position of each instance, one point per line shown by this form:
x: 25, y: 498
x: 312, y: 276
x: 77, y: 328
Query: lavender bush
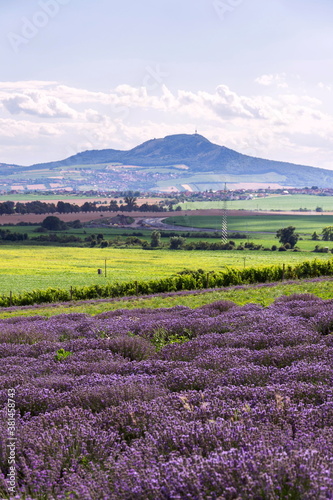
x: 235, y: 403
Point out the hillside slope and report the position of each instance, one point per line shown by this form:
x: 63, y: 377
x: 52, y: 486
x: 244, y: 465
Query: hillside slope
x: 204, y: 165
x: 200, y: 155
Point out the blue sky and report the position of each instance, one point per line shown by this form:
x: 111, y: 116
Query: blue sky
x: 253, y: 75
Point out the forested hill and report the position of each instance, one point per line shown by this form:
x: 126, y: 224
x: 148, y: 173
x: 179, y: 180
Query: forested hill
x: 200, y: 155
x: 196, y: 156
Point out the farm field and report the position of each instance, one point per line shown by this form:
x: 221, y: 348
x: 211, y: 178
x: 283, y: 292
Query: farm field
x: 258, y: 228
x: 120, y: 235
x: 273, y: 202
x: 305, y: 224
x: 175, y: 409
x: 25, y: 268
x: 78, y: 199
x: 262, y: 228
x: 84, y: 232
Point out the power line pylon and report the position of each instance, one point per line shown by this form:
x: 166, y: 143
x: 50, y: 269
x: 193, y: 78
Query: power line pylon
x: 224, y: 232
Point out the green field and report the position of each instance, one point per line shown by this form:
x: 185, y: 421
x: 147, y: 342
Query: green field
x: 304, y: 224
x: 273, y: 202
x: 262, y: 229
x: 24, y: 268
x: 204, y: 181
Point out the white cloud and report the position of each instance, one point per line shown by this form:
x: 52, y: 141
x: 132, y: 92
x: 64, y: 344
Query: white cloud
x: 39, y: 104
x: 59, y: 120
x: 270, y: 79
x: 325, y: 86
x: 27, y: 85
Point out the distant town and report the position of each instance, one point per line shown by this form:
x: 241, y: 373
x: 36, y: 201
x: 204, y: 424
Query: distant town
x: 208, y: 195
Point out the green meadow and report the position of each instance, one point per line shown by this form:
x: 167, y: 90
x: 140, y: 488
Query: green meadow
x: 24, y: 268
x: 261, y: 229
x: 305, y: 224
x: 27, y: 266
x: 273, y: 202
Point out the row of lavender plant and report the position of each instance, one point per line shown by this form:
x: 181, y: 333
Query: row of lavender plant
x: 221, y: 402
x: 188, y: 280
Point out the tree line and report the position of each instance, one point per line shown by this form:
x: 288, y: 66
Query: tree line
x: 62, y: 207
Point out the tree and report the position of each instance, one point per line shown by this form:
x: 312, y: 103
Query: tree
x: 114, y: 206
x: 287, y: 235
x: 7, y: 207
x: 327, y: 233
x: 315, y: 236
x: 53, y: 223
x: 20, y: 208
x: 130, y: 203
x: 155, y: 239
x: 88, y: 206
x: 66, y: 208
x: 176, y: 242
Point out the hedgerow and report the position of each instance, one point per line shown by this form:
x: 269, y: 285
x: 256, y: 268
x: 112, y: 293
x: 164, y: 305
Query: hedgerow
x: 187, y: 280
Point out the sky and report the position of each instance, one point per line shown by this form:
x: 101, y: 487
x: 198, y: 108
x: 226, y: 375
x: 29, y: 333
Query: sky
x: 252, y: 75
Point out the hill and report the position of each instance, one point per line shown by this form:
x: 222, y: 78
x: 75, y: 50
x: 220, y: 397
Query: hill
x: 175, y: 162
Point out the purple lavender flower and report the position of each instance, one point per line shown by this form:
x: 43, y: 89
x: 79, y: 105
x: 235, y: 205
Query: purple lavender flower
x: 236, y: 402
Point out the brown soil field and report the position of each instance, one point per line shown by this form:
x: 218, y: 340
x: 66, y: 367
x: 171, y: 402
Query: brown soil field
x: 80, y: 201
x: 89, y: 216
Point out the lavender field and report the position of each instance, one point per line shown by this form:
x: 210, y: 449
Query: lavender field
x: 222, y: 402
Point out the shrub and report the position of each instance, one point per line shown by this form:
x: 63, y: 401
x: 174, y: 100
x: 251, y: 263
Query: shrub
x: 53, y: 223
x: 61, y: 354
x: 176, y: 242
